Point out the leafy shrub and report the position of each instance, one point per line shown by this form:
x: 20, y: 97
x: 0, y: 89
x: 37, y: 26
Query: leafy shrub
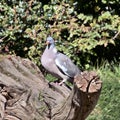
x: 25, y: 26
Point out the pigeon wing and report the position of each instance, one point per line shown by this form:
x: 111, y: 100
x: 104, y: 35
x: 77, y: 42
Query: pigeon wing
x: 65, y: 64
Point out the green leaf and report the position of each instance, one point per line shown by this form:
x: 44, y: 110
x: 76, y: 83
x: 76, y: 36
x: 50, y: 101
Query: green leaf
x: 119, y: 28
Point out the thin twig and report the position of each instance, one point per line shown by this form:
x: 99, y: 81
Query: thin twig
x: 116, y: 35
x: 1, y: 39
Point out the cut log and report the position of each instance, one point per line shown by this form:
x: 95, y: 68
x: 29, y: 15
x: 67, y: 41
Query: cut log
x: 82, y: 99
x: 26, y: 95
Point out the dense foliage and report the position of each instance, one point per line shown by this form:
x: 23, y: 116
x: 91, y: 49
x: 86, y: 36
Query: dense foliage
x: 89, y: 29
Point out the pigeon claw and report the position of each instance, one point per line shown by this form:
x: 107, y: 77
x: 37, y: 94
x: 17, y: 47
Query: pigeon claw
x: 61, y: 83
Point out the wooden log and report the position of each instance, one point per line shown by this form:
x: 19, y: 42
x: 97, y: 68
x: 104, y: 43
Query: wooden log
x: 82, y: 99
x: 26, y: 95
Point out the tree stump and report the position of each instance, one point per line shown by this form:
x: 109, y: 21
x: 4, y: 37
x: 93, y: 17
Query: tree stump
x: 26, y: 95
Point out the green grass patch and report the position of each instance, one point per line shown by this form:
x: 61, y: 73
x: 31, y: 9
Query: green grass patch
x: 108, y: 107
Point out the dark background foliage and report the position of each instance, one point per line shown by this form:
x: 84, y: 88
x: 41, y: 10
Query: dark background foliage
x: 87, y: 28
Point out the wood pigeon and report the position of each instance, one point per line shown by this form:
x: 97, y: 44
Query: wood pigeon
x: 58, y: 64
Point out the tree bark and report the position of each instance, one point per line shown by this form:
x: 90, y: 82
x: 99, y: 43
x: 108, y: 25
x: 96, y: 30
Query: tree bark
x: 26, y: 95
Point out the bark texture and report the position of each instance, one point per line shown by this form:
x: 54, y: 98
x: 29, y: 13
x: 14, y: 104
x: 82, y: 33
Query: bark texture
x: 26, y: 95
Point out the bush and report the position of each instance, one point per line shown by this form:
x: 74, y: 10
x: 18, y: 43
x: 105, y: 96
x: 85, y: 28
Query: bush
x: 91, y: 36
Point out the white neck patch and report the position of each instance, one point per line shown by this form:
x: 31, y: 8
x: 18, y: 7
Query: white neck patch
x: 54, y: 50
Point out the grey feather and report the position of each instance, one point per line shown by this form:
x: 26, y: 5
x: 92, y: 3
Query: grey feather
x: 66, y: 65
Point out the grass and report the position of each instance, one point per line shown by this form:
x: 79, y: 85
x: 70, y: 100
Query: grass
x: 108, y: 107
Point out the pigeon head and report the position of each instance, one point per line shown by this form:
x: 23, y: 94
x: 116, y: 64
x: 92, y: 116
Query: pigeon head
x: 49, y: 40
